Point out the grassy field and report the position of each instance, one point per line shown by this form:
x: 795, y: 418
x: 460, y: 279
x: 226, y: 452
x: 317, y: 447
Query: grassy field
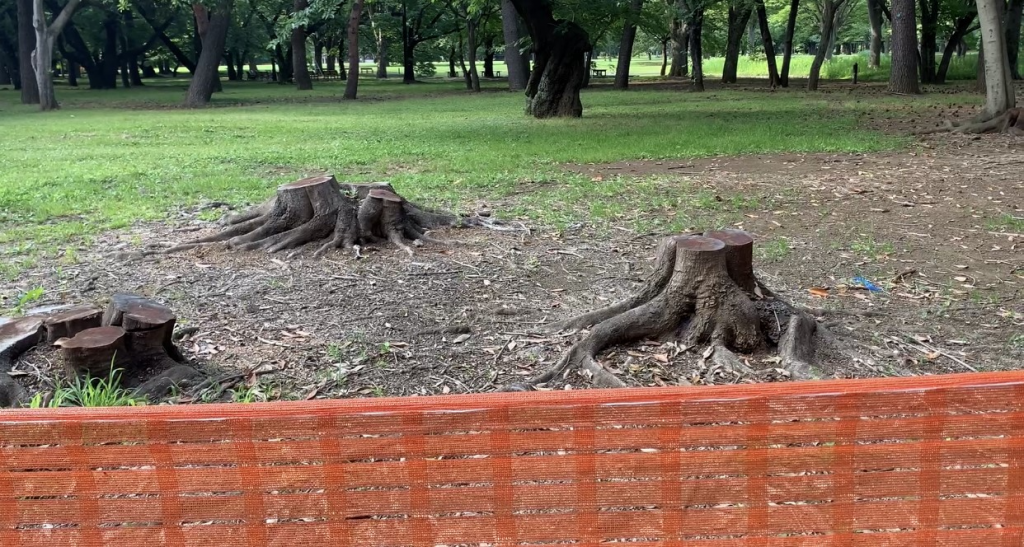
x: 108, y: 159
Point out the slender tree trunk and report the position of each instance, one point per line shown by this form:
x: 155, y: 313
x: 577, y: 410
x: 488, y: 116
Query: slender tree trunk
x: 318, y: 56
x: 452, y: 54
x: 903, y: 78
x: 206, y: 78
x: 300, y: 64
x: 109, y: 60
x: 960, y: 28
x: 72, y: 74
x: 664, y: 56
x: 626, y: 44
x: 875, y: 26
x: 696, y: 52
x: 588, y: 62
x: 560, y: 48
x: 517, y: 63
x: 769, y: 45
x: 382, y: 55
x: 126, y: 79
x: 999, y: 88
x: 739, y: 15
x: 5, y: 74
x: 409, y: 63
x: 352, y: 85
x: 229, y: 60
x: 489, y: 57
x: 1014, y: 15
x: 471, y: 38
x: 342, y: 71
x: 827, y: 21
x: 787, y: 46
x: 929, y: 39
x: 42, y: 57
x: 26, y: 45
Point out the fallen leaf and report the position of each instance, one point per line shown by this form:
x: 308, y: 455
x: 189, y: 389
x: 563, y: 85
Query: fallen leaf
x: 960, y: 266
x: 818, y: 291
x: 461, y: 338
x: 661, y: 358
x: 960, y: 278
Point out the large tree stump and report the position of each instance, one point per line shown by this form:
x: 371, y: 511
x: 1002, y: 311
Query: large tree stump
x: 319, y: 209
x: 702, y: 292
x: 149, y: 329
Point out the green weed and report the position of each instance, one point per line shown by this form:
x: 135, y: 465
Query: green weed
x: 90, y: 391
x: 774, y: 250
x: 26, y: 299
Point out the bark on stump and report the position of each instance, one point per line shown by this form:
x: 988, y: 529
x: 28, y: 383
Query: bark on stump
x: 94, y: 351
x: 319, y: 209
x: 702, y: 292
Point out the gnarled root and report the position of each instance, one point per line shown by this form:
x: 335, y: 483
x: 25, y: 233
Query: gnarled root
x: 1010, y: 122
x: 341, y: 215
x: 702, y: 291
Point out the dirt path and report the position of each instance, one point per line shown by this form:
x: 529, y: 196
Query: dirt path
x: 938, y: 228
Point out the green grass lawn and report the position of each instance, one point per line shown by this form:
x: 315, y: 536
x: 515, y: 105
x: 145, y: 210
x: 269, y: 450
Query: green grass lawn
x: 110, y: 158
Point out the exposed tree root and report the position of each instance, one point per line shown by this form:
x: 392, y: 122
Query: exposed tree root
x: 1010, y: 122
x: 702, y: 292
x: 319, y: 209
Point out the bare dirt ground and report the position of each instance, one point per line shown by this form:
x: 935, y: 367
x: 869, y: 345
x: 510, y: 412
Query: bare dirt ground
x: 937, y: 227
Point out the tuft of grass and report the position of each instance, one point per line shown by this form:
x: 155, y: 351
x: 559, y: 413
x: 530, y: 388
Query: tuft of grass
x: 866, y: 245
x: 1006, y: 222
x: 1016, y: 341
x: 26, y: 299
x: 774, y: 250
x: 90, y: 392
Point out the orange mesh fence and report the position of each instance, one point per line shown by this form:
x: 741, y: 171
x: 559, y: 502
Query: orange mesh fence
x: 922, y: 461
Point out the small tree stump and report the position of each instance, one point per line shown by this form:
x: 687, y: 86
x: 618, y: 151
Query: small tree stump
x: 72, y: 321
x: 94, y: 351
x: 149, y: 327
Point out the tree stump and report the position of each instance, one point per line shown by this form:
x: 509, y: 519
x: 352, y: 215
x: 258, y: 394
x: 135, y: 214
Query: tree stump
x: 319, y: 209
x: 94, y: 351
x: 702, y: 292
x: 149, y: 329
x: 72, y: 321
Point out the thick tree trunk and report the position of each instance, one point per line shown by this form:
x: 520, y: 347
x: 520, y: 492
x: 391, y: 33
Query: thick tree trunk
x: 875, y: 27
x: 769, y: 44
x: 409, y: 64
x: 300, y: 64
x: 787, y: 46
x: 626, y: 44
x: 960, y: 28
x: 352, y: 85
x: 680, y: 32
x: 696, y: 51
x: 828, y: 16
x: 382, y: 55
x: 206, y: 79
x: 999, y: 89
x: 929, y: 39
x: 1014, y: 15
x: 560, y: 48
x: 26, y: 45
x: 903, y: 78
x: 108, y: 63
x: 517, y: 63
x: 739, y: 16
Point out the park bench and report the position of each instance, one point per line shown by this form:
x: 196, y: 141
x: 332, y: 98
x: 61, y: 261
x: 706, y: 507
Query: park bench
x: 600, y: 72
x: 367, y: 70
x: 331, y: 74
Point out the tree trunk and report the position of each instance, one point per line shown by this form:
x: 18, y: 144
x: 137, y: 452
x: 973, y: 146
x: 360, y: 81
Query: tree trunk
x: 342, y: 71
x: 1013, y: 22
x: 382, y: 55
x: 903, y: 78
x: 300, y: 64
x: 680, y: 32
x: 929, y: 39
x: 471, y: 46
x: 960, y: 28
x: 560, y: 48
x: 409, y: 63
x: 518, y: 64
x: 489, y: 57
x: 738, y: 18
x: 26, y: 45
x: 999, y: 88
x: 769, y: 45
x: 452, y: 54
x: 42, y: 57
x: 696, y: 51
x: 787, y: 46
x: 352, y: 85
x: 588, y: 62
x: 664, y: 56
x: 229, y: 60
x: 875, y: 26
x: 214, y: 33
x: 72, y: 74
x: 626, y: 44
x: 318, y: 55
x: 827, y: 21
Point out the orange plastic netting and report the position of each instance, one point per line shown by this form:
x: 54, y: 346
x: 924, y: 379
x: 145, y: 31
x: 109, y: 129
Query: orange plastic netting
x: 921, y: 461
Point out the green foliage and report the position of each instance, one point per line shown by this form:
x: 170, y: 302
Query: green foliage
x: 90, y: 392
x: 27, y: 298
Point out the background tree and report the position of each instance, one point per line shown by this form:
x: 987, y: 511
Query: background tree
x: 42, y: 57
x: 903, y: 78
x: 827, y: 9
x: 626, y: 43
x: 298, y: 42
x: 739, y: 16
x: 213, y: 30
x: 560, y: 47
x: 26, y: 45
x: 352, y: 85
x: 515, y: 34
x: 787, y: 45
